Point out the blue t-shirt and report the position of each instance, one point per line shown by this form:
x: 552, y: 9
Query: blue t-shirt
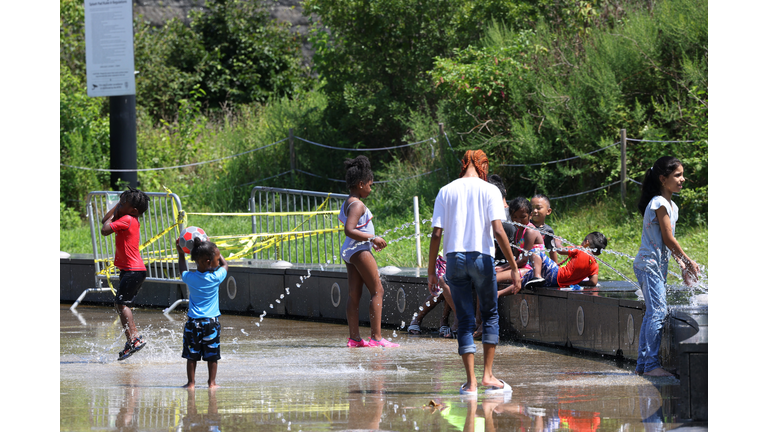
x: 653, y: 256
x: 204, y: 292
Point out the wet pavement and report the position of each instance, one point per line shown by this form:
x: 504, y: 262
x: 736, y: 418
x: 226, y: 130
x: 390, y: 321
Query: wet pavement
x: 284, y: 375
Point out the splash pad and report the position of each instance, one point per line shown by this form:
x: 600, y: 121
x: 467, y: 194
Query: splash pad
x: 292, y: 375
x: 602, y: 321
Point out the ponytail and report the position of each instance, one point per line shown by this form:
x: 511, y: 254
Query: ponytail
x: 203, y: 249
x: 664, y: 166
x: 358, y: 170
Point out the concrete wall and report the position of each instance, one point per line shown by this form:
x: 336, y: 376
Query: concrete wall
x: 587, y: 322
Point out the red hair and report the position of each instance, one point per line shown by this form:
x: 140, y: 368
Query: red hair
x: 478, y: 159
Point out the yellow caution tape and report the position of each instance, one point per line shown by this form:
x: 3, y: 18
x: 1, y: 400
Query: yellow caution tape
x: 242, y: 244
x: 181, y: 218
x: 272, y: 239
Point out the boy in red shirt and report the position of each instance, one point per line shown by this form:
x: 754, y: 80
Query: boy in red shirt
x: 123, y: 219
x: 580, y: 268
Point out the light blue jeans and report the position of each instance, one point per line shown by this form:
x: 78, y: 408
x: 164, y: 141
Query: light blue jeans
x: 655, y: 295
x: 465, y: 270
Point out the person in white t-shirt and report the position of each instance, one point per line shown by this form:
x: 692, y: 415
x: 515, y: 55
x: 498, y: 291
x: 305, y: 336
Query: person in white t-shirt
x: 468, y: 214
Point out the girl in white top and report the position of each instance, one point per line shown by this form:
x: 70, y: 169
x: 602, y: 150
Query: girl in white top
x: 650, y: 265
x: 356, y: 252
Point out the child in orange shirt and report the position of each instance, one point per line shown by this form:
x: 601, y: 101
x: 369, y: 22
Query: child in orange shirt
x: 580, y: 268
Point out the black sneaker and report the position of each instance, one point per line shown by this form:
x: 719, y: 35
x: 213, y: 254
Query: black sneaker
x: 535, y: 283
x: 130, y: 348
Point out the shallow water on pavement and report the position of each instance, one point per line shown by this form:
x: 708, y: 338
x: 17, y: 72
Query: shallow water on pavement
x: 284, y: 375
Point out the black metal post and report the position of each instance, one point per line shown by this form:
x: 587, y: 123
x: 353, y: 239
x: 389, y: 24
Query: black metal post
x: 122, y: 140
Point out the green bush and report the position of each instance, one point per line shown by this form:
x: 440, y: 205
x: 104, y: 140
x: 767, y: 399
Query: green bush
x: 232, y: 51
x: 68, y: 218
x: 373, y: 58
x: 83, y: 141
x: 563, y: 91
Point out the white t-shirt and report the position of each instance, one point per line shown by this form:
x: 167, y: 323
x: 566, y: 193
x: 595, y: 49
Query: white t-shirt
x: 464, y: 209
x: 653, y: 255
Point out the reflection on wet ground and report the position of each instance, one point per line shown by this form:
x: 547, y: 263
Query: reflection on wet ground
x: 281, y: 375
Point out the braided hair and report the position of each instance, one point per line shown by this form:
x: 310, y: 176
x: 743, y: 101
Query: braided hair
x: 478, y: 159
x: 136, y: 198
x: 358, y: 170
x: 664, y: 166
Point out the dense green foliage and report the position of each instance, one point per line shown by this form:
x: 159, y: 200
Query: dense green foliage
x: 528, y: 97
x: 232, y: 53
x: 527, y: 81
x: 373, y: 58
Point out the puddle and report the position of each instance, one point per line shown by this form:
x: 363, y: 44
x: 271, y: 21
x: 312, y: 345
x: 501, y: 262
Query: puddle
x: 284, y: 375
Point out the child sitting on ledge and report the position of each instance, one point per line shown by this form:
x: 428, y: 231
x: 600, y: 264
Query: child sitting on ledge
x: 580, y: 268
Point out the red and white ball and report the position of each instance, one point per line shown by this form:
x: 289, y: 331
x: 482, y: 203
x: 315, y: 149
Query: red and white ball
x: 188, y: 236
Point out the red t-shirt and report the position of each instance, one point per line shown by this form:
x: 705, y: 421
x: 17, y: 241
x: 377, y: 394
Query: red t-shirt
x: 578, y: 266
x: 127, y: 236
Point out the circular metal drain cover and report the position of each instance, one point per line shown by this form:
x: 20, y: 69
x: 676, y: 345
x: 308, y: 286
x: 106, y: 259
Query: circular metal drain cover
x: 335, y: 294
x: 524, y: 312
x: 401, y: 300
x: 231, y: 287
x: 580, y: 320
x: 630, y: 329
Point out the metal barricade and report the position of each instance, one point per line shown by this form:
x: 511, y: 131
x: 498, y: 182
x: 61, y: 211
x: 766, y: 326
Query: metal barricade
x: 321, y: 248
x: 159, y: 256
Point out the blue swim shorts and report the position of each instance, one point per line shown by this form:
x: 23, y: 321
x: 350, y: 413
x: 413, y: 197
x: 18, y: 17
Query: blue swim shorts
x: 201, y: 339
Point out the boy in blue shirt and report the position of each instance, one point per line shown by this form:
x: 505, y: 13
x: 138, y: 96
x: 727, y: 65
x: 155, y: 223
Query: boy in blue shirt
x: 202, y: 330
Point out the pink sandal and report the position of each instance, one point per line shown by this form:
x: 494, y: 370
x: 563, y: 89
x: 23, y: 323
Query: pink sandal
x: 382, y: 343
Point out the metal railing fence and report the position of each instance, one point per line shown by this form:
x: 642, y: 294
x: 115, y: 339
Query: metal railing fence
x: 160, y: 226
x: 324, y: 247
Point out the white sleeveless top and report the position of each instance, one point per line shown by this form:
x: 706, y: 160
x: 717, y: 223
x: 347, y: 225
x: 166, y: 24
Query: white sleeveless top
x: 364, y: 224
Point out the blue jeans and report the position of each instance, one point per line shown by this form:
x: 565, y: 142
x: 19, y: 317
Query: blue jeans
x: 655, y: 295
x: 465, y: 270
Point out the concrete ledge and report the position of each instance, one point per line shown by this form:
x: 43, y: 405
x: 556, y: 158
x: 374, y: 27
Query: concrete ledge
x: 691, y: 355
x: 601, y: 322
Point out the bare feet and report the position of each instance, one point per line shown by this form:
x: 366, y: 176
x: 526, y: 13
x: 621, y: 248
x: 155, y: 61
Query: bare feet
x: 189, y: 386
x: 212, y: 385
x: 658, y: 372
x: 466, y: 388
x: 492, y: 382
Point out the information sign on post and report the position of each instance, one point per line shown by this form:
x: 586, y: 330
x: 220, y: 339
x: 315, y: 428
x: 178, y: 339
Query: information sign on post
x: 109, y: 47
